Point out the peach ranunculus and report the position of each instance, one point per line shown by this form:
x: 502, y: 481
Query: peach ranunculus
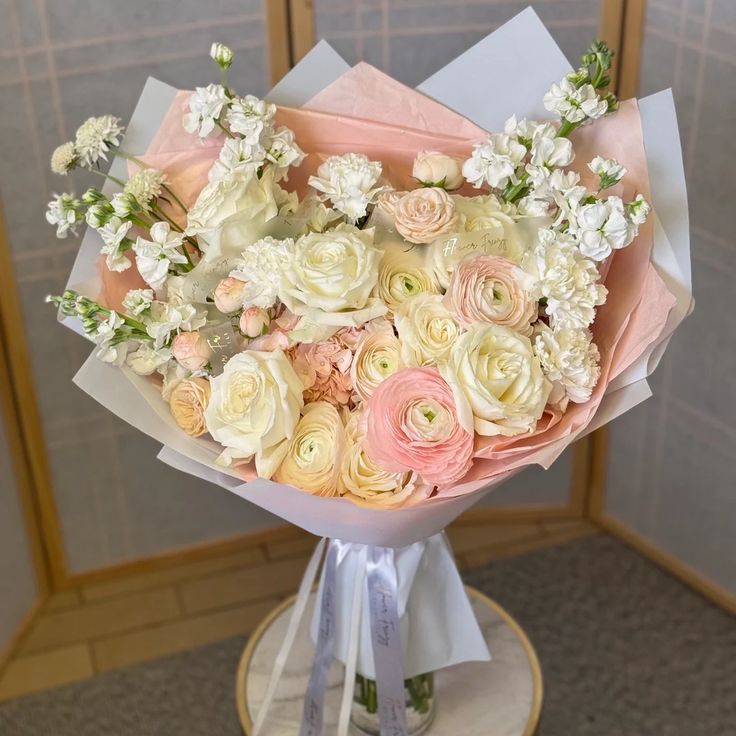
x: 312, y: 460
x: 365, y: 484
x: 412, y: 424
x: 191, y: 350
x: 492, y: 289
x: 377, y: 356
x: 187, y: 402
x: 424, y: 214
x: 324, y: 369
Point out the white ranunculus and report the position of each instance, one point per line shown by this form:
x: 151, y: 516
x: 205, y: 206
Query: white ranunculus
x: 427, y: 330
x: 312, y: 459
x: 494, y: 161
x: 233, y: 211
x: 153, y: 257
x: 331, y: 275
x: 570, y: 358
x: 435, y: 169
x: 260, y: 266
x: 205, y: 106
x: 254, y: 409
x: 497, y: 381
x: 404, y: 274
x: 369, y: 485
x: 349, y: 182
x: 377, y: 356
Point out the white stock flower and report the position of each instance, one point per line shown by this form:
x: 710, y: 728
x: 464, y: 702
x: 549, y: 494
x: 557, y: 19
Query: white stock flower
x: 137, y: 301
x: 403, y: 274
x: 602, y: 227
x: 95, y: 137
x: 497, y: 381
x: 573, y: 104
x: 260, y: 266
x: 570, y: 358
x: 63, y: 212
x: 145, y: 186
x: 552, y: 152
x: 608, y: 170
x: 427, y: 330
x: 366, y: 483
x: 282, y: 151
x: 312, y: 460
x: 236, y: 155
x: 527, y: 131
x: 111, y: 347
x: 254, y: 408
x: 64, y: 159
x: 349, y: 182
x: 331, y: 276
x: 153, y: 257
x: 565, y: 278
x: 205, y: 107
x: 376, y: 357
x: 147, y: 360
x: 638, y: 210
x: 164, y: 318
x: 124, y: 204
x: 251, y: 118
x: 494, y: 161
x: 113, y: 233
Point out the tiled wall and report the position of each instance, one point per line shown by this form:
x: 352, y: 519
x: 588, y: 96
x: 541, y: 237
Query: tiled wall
x: 672, y: 461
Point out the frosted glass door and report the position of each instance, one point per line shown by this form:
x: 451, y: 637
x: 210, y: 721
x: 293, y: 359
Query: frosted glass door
x: 61, y: 62
x: 671, y: 474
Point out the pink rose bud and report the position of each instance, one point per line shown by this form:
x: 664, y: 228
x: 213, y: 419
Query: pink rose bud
x: 191, y: 350
x: 438, y: 169
x: 229, y: 295
x: 253, y: 321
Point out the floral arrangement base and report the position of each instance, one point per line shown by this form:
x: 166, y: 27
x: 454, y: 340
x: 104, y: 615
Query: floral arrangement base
x: 467, y: 698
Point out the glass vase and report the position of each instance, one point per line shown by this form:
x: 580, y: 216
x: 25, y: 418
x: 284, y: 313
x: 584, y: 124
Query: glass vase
x: 420, y: 705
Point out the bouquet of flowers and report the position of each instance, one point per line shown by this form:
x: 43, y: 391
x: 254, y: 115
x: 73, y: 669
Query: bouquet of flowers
x: 365, y: 312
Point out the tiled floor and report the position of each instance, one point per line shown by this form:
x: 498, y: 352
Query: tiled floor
x: 108, y: 625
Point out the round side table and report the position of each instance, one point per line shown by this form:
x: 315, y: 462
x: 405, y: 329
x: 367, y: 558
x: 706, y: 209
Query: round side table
x: 502, y: 697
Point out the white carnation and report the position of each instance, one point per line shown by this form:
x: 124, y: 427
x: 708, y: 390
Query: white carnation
x: 205, y: 107
x: 95, y: 137
x: 494, y: 161
x: 260, y: 266
x: 349, y: 181
x: 570, y: 358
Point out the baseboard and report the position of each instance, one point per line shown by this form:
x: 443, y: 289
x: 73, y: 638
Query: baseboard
x: 26, y: 623
x: 668, y: 562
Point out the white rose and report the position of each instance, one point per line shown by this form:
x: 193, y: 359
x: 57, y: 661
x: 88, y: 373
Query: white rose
x: 438, y: 170
x: 312, y: 459
x: 404, y: 274
x: 483, y: 212
x: 376, y: 357
x: 254, y: 409
x: 427, y: 330
x: 232, y: 211
x: 497, y: 381
x: 331, y: 275
x: 366, y: 484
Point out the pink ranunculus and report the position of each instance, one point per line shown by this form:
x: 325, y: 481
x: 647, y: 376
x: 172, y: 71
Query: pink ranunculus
x: 492, y: 289
x: 422, y: 215
x: 324, y: 369
x: 412, y: 424
x: 191, y: 350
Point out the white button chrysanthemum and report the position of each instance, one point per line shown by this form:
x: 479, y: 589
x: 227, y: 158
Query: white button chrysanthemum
x: 566, y: 279
x: 569, y: 357
x: 95, y: 137
x: 494, y: 161
x: 205, y: 106
x: 349, y: 182
x: 64, y: 158
x: 145, y: 186
x: 63, y: 212
x: 260, y: 267
x: 251, y: 117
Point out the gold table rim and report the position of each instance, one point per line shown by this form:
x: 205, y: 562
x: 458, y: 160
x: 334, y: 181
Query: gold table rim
x: 241, y: 682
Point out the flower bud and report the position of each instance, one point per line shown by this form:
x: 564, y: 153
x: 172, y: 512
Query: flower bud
x: 191, y: 350
x: 222, y: 54
x: 229, y: 295
x: 253, y: 321
x: 438, y: 170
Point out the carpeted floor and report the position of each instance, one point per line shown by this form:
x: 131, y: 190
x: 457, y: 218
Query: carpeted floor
x: 626, y: 650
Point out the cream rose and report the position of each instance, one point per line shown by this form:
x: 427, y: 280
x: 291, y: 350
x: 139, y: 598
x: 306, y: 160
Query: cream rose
x: 366, y: 484
x: 497, y: 381
x: 427, y: 330
x: 312, y: 460
x: 331, y: 276
x: 492, y: 289
x: 404, y: 274
x: 188, y: 402
x: 422, y: 215
x: 438, y: 170
x: 376, y: 357
x: 254, y: 408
